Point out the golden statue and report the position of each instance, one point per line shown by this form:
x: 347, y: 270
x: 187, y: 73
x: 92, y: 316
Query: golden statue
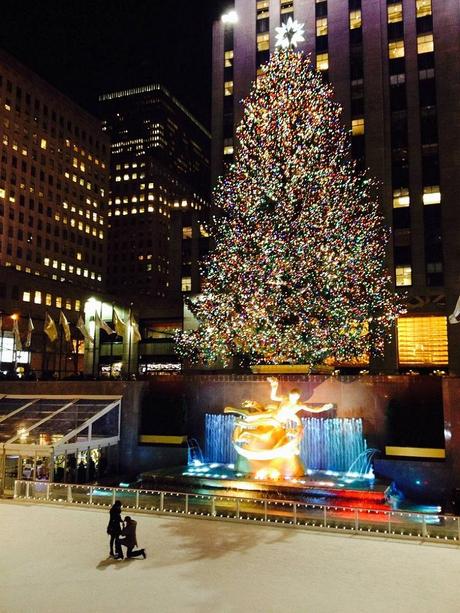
x: 267, y: 439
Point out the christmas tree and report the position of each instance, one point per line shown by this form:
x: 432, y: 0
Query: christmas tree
x: 297, y: 274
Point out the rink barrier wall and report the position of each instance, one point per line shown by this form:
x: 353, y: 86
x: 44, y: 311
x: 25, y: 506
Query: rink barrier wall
x: 428, y: 527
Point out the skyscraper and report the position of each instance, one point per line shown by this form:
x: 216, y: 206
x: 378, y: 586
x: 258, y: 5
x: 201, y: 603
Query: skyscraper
x: 53, y: 186
x: 159, y: 192
x: 393, y: 68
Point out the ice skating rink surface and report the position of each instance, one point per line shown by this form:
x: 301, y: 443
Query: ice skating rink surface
x: 56, y: 560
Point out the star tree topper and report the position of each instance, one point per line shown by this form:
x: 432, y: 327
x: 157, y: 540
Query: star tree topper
x: 290, y: 34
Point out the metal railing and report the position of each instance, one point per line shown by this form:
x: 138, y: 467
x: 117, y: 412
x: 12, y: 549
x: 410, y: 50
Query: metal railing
x: 389, y: 523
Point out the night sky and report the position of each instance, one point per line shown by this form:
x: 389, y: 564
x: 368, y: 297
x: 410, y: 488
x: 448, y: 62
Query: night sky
x: 88, y: 47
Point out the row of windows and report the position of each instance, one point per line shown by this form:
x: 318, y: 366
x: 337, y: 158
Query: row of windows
x: 140, y: 210
x: 38, y: 297
x: 431, y: 195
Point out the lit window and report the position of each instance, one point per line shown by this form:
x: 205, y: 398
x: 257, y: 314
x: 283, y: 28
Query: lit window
x: 43, y: 143
x: 262, y: 9
x: 396, y: 49
x: 357, y: 127
x: 431, y: 195
x: 37, y: 297
x: 228, y: 88
x: 46, y: 261
x: 68, y: 304
x: 423, y: 8
x: 186, y: 284
x: 395, y: 12
x: 287, y: 6
x: 401, y: 198
x: 77, y: 305
x: 355, y: 20
x: 228, y: 150
x: 2, y: 193
x: 425, y: 43
x: 26, y: 296
x: 58, y: 302
x: 187, y: 232
x: 48, y: 299
x: 403, y: 276
x: 322, y: 61
x: 263, y: 42
x: 422, y: 341
x: 321, y: 27
x: 228, y: 57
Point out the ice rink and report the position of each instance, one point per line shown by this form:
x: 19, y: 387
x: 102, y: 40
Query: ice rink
x: 56, y: 559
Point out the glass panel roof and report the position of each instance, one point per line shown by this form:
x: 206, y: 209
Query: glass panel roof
x: 59, y: 416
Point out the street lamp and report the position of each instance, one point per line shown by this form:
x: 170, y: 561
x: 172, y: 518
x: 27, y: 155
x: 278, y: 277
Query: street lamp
x: 230, y: 18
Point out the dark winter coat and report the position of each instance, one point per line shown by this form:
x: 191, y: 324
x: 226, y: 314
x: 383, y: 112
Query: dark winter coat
x: 129, y: 534
x: 114, y: 526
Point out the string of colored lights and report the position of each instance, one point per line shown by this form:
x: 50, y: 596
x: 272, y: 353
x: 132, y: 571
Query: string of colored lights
x: 298, y: 273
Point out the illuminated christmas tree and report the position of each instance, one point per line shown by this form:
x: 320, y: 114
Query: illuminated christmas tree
x: 297, y: 274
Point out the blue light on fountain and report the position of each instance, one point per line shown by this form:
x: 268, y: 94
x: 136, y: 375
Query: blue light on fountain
x: 336, y: 445
x: 331, y: 444
x: 361, y: 467
x: 218, y: 439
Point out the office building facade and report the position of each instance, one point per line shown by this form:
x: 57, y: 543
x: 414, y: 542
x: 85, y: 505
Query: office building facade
x: 158, y: 192
x: 393, y: 66
x: 54, y: 180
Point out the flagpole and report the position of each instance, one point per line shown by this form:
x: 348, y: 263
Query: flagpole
x: 15, y: 361
x: 99, y: 350
x: 44, y: 351
x: 129, y: 339
x: 94, y: 345
x: 65, y: 355
x: 111, y: 342
x: 60, y: 350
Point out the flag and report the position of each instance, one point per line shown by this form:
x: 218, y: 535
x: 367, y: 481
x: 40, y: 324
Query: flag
x: 30, y: 329
x: 453, y: 319
x: 84, y: 331
x: 17, y: 336
x: 65, y: 326
x: 102, y: 325
x: 120, y: 326
x: 135, y: 331
x: 50, y: 328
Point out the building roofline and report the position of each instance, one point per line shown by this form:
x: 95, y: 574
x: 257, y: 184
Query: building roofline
x: 42, y: 82
x: 142, y: 89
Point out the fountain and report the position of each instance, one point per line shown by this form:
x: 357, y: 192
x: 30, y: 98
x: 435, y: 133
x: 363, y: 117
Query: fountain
x: 269, y: 450
x: 330, y: 444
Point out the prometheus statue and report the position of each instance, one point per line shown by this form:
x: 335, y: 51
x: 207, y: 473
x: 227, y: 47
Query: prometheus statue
x: 267, y: 438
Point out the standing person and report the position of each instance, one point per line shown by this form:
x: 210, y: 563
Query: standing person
x: 114, y: 529
x: 129, y: 540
